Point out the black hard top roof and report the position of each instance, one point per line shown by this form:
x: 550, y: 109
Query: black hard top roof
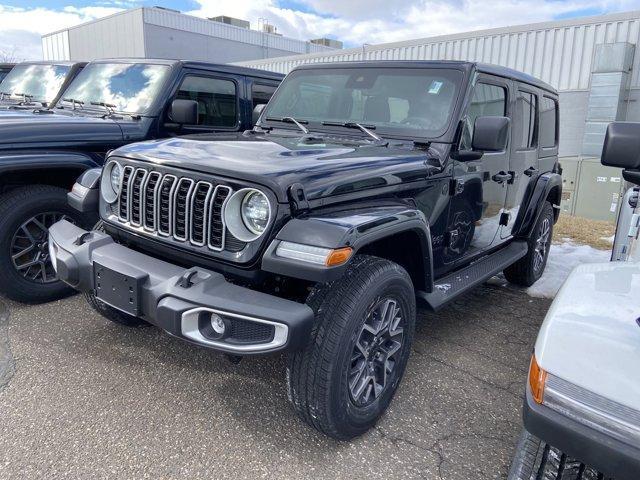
x: 212, y: 67
x: 51, y: 62
x: 7, y: 65
x: 467, y: 66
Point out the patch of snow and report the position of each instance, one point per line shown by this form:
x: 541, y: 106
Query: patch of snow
x: 610, y: 239
x: 443, y: 287
x: 563, y: 258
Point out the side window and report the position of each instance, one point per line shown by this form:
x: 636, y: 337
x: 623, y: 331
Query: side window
x: 217, y: 100
x: 260, y: 93
x: 527, y: 109
x: 548, y: 122
x: 487, y: 100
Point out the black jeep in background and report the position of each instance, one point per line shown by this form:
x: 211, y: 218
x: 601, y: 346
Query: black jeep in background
x: 32, y: 85
x: 5, y: 68
x: 365, y: 189
x: 110, y: 103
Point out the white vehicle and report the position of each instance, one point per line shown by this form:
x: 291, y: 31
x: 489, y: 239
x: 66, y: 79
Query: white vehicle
x: 582, y: 407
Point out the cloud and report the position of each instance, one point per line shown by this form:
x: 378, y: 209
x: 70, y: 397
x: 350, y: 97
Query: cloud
x: 354, y: 21
x: 24, y: 41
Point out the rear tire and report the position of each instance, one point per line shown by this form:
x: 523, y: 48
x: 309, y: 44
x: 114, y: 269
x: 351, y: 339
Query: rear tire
x: 345, y: 378
x: 528, y: 270
x: 26, y: 213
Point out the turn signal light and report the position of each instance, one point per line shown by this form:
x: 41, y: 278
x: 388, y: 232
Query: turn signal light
x: 338, y: 256
x: 537, y: 379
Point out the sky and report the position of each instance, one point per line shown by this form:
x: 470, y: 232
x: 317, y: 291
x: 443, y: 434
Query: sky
x: 355, y: 22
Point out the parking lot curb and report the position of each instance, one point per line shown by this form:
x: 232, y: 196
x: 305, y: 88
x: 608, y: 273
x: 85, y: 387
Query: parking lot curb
x: 7, y: 365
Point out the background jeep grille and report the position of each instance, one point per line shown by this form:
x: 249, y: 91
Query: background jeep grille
x: 180, y: 208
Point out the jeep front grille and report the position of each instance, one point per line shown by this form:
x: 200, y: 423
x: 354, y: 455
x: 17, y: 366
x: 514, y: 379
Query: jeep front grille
x: 180, y: 208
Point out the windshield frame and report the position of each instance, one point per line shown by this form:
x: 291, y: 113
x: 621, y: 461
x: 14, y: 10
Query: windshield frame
x: 69, y: 75
x: 154, y: 108
x: 448, y: 134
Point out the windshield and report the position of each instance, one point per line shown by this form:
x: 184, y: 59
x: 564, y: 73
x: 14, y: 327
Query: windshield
x: 127, y: 87
x: 394, y: 101
x: 40, y: 83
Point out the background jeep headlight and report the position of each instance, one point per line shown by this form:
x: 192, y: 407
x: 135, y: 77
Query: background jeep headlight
x: 110, y: 182
x: 255, y: 211
x: 247, y: 214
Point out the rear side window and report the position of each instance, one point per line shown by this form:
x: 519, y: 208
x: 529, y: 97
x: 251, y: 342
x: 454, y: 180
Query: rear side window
x: 527, y: 109
x: 217, y: 100
x: 487, y: 100
x: 260, y: 93
x: 548, y: 122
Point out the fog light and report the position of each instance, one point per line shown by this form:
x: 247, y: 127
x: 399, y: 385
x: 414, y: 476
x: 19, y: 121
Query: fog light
x: 218, y: 324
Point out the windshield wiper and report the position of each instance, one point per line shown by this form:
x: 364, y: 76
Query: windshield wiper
x: 111, y: 108
x: 5, y: 94
x: 74, y: 102
x: 297, y: 123
x: 359, y: 126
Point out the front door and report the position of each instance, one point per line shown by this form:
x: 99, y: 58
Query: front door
x: 523, y: 162
x: 480, y: 186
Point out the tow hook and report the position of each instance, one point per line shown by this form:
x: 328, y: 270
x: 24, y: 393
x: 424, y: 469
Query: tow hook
x: 235, y: 359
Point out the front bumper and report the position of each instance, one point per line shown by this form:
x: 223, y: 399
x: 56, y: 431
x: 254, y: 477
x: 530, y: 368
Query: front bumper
x: 608, y: 455
x: 173, y: 298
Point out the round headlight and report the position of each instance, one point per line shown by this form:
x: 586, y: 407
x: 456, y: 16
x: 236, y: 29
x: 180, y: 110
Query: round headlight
x: 110, y: 182
x: 247, y: 214
x: 255, y: 211
x: 115, y: 176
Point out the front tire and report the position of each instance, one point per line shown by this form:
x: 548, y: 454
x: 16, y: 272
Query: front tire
x: 26, y: 213
x: 528, y: 270
x: 345, y: 378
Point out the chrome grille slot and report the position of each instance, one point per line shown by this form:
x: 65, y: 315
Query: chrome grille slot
x: 175, y: 208
x: 199, y: 200
x: 165, y: 204
x: 181, y: 200
x: 123, y: 203
x: 150, y: 200
x: 135, y: 203
x: 216, y: 220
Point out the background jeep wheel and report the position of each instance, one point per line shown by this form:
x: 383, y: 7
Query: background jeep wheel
x: 529, y: 269
x: 26, y: 213
x: 345, y: 377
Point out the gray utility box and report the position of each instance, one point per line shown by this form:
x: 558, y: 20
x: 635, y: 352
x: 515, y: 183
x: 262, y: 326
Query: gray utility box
x: 590, y: 189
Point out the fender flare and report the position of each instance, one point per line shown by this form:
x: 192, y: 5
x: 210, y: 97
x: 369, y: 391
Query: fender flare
x: 38, y: 160
x: 535, y: 197
x: 355, y: 228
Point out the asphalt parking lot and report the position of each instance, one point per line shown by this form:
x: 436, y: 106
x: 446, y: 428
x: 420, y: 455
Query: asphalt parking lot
x: 83, y: 398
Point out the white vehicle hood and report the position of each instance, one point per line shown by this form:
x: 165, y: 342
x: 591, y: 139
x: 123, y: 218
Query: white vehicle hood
x: 590, y: 336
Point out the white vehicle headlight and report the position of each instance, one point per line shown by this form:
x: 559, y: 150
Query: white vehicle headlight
x: 247, y: 214
x: 110, y: 183
x: 255, y: 211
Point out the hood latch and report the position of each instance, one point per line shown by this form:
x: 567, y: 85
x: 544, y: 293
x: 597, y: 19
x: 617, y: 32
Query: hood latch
x: 297, y: 199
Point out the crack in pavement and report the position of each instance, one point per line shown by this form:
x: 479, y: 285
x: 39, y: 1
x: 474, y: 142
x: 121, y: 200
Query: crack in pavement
x: 7, y: 363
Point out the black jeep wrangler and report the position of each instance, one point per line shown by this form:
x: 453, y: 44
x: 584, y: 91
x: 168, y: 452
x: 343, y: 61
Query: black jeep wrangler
x: 364, y: 190
x: 32, y: 85
x: 109, y: 103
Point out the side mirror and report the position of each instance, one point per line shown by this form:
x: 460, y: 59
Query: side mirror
x: 184, y: 112
x: 257, y: 111
x: 622, y: 146
x: 490, y: 134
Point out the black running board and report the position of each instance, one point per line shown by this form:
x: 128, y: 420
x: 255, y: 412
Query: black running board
x: 461, y: 281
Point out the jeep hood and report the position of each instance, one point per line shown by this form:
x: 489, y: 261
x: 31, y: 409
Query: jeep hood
x: 20, y: 128
x: 323, y: 168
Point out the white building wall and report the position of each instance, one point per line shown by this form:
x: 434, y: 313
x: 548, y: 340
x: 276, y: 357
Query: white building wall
x: 56, y: 46
x: 559, y: 53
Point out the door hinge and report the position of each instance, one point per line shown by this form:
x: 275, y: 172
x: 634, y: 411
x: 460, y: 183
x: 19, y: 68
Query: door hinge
x: 297, y: 199
x: 456, y: 187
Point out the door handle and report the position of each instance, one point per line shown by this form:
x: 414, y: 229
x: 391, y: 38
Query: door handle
x: 531, y: 171
x: 502, y: 177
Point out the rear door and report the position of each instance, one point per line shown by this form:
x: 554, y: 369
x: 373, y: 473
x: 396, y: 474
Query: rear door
x: 523, y: 162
